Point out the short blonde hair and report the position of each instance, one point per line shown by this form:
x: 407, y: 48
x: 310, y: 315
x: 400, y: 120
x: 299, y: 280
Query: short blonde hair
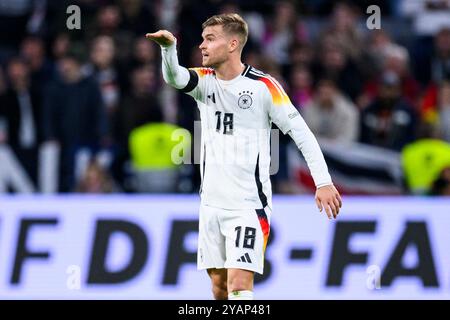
x: 232, y: 23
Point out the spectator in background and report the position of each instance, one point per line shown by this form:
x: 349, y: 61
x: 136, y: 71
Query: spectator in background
x: 335, y: 64
x: 283, y: 30
x: 440, y: 63
x: 434, y: 64
x: 301, y: 53
x: 137, y: 17
x: 395, y: 58
x: 436, y: 123
x: 378, y: 42
x: 138, y: 107
x: 74, y: 116
x: 60, y: 45
x: 102, y: 68
x: 438, y: 69
x: 344, y: 30
x: 96, y: 180
x: 330, y: 115
x: 143, y: 54
x: 444, y: 111
x: 107, y: 24
x: 41, y: 69
x: 301, y: 90
x: 108, y: 20
x: 389, y: 121
x: 20, y: 109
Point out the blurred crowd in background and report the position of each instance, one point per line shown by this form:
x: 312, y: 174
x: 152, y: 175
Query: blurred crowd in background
x: 97, y: 92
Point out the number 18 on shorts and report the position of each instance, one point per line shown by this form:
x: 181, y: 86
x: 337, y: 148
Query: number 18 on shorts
x: 233, y: 238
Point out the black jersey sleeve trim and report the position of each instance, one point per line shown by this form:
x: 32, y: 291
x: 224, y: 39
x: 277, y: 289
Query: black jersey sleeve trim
x: 193, y: 82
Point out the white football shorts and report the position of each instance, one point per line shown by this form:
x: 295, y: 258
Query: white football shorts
x: 233, y: 238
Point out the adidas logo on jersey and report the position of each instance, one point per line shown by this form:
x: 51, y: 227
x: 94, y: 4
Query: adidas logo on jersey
x: 245, y: 258
x: 212, y: 97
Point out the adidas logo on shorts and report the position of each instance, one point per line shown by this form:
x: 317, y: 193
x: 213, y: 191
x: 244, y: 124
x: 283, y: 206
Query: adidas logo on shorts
x: 245, y: 258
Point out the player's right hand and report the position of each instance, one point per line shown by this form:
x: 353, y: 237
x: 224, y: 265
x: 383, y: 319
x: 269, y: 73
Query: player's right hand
x: 162, y: 37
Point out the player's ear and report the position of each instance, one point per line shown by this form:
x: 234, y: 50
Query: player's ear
x: 234, y: 44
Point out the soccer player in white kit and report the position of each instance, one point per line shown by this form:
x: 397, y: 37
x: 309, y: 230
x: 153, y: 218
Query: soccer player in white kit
x: 238, y: 104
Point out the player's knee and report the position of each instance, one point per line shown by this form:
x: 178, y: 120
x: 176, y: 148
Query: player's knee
x: 220, y: 291
x: 239, y: 283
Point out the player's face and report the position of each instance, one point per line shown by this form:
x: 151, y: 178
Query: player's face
x: 215, y: 46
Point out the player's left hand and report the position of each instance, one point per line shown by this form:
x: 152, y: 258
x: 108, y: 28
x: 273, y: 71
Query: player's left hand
x: 329, y: 198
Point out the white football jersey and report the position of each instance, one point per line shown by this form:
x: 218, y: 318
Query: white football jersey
x: 236, y: 117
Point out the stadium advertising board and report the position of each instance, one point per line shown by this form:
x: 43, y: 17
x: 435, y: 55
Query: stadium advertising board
x: 144, y: 247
